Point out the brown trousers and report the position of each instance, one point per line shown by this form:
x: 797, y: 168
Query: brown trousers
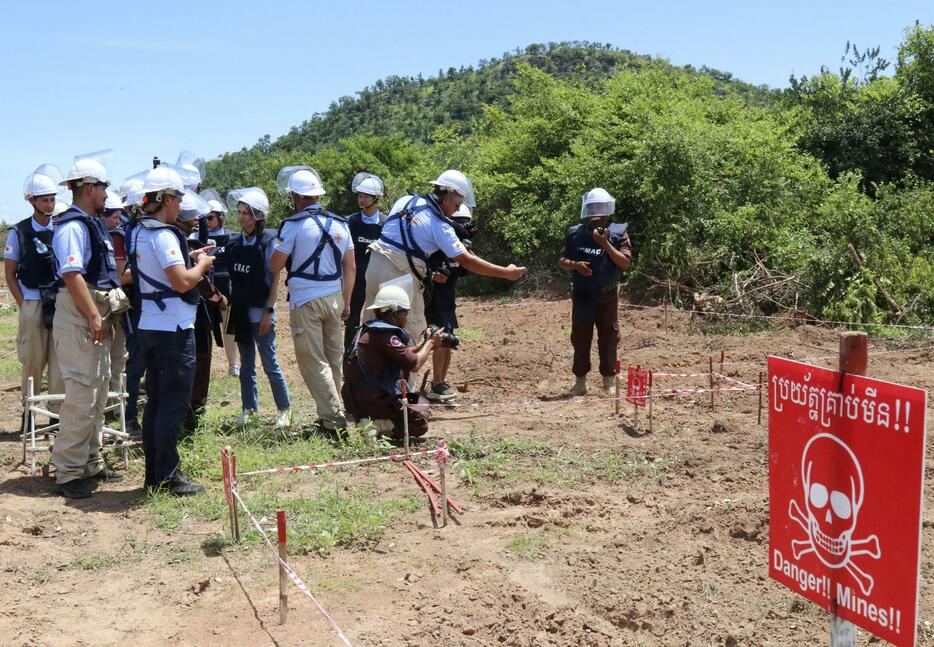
x: 606, y: 321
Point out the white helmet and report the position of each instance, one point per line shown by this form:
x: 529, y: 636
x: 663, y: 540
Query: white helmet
x: 456, y: 181
x: 399, y: 204
x: 60, y: 208
x: 38, y: 184
x: 86, y: 169
x: 113, y: 202
x: 597, y: 203
x: 302, y: 185
x: 161, y: 180
x: 213, y: 199
x: 391, y: 297
x: 188, y: 173
x: 463, y: 211
x: 193, y: 207
x: 253, y: 197
x: 367, y: 183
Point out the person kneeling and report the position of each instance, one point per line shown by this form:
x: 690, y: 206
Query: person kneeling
x: 379, y: 357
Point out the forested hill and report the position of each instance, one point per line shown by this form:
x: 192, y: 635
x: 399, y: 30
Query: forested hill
x: 414, y: 107
x: 817, y: 198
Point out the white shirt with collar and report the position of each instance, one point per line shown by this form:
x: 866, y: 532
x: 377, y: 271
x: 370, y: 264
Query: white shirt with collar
x: 299, y: 239
x: 156, y: 251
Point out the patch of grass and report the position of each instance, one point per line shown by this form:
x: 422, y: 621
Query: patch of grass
x: 8, y: 328
x: 631, y: 465
x: 336, y: 517
x: 10, y: 369
x: 471, y: 333
x: 93, y: 562
x: 528, y: 546
x: 564, y: 469
x: 170, y: 513
x: 732, y: 326
x: 478, y: 460
x: 215, y: 543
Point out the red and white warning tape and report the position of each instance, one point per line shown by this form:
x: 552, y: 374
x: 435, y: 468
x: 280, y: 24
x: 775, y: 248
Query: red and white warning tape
x: 359, y: 461
x: 735, y: 381
x: 296, y: 580
x: 658, y: 374
x: 720, y: 389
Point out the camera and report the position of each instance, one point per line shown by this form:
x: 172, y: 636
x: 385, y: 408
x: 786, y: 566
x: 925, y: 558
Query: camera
x: 448, y: 339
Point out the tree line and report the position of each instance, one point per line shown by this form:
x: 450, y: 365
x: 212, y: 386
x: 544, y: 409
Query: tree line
x: 818, y: 198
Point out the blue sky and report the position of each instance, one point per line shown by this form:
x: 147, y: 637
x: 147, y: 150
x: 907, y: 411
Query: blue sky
x: 159, y: 77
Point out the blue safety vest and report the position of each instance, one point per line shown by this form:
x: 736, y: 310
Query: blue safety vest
x: 162, y: 290
x: 101, y: 270
x: 388, y: 380
x: 315, y: 212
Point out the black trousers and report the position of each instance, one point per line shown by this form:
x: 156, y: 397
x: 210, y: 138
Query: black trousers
x: 357, y: 298
x: 135, y: 367
x: 170, y: 373
x: 606, y: 321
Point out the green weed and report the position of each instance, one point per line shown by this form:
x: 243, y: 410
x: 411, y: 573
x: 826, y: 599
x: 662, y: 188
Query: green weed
x: 93, y: 562
x: 528, y: 547
x: 471, y: 333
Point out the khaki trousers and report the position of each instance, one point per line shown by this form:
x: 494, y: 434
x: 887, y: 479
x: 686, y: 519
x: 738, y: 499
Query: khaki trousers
x: 386, y: 264
x: 118, y: 354
x: 36, y: 350
x: 85, y: 369
x: 318, y: 340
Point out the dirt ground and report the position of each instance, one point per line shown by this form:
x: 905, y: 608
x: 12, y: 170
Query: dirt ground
x: 665, y: 546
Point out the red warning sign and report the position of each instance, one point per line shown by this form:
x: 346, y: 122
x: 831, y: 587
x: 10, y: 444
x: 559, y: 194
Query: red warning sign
x: 637, y: 384
x: 846, y: 469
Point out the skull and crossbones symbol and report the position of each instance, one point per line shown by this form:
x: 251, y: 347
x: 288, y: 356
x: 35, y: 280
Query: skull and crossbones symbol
x: 833, y: 495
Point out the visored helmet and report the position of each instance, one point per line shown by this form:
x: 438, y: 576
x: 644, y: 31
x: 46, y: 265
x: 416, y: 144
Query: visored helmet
x: 253, y: 197
x: 39, y: 184
x: 367, y: 183
x: 302, y: 180
x: 454, y: 180
x: 597, y: 203
x: 463, y: 211
x: 193, y: 207
x: 162, y: 179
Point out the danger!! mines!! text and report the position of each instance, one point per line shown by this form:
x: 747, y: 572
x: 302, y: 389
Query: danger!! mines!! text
x: 889, y: 618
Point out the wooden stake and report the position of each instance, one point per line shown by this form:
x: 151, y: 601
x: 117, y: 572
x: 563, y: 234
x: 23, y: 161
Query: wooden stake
x: 666, y: 314
x: 648, y: 394
x: 233, y: 483
x: 283, y: 578
x: 711, y: 383
x: 617, y: 393
x: 405, y: 419
x: 722, y: 357
x: 443, y: 468
x: 228, y: 483
x: 854, y: 357
x: 759, y: 416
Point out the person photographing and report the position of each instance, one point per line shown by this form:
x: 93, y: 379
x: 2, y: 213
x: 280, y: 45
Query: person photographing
x: 381, y: 355
x: 594, y: 252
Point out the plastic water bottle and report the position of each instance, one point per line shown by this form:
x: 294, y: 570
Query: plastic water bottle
x: 40, y: 246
